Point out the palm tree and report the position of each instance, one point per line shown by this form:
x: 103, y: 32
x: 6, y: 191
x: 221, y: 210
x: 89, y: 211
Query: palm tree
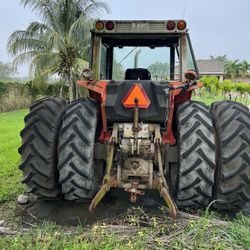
x: 219, y: 58
x: 244, y: 69
x: 118, y: 71
x: 58, y: 44
x: 232, y: 68
x: 159, y: 69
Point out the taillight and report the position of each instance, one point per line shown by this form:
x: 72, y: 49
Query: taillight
x: 181, y: 25
x: 99, y: 25
x: 109, y: 25
x: 170, y: 25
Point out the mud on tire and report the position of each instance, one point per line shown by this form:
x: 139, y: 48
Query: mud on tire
x: 232, y: 123
x: 38, y: 149
x: 195, y: 138
x: 76, y: 150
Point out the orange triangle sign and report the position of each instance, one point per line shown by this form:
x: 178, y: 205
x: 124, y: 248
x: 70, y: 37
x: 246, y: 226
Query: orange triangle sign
x: 138, y: 93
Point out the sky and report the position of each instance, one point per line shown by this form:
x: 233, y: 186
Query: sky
x: 216, y: 27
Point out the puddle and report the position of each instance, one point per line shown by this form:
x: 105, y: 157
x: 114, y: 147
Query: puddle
x: 114, y: 204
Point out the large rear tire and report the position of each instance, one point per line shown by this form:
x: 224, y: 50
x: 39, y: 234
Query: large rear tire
x: 76, y: 150
x: 38, y: 150
x: 232, y: 123
x: 195, y: 137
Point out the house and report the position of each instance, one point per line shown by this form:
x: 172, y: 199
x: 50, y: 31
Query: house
x: 210, y: 67
x: 207, y: 67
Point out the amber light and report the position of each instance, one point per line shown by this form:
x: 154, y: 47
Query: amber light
x: 181, y: 25
x: 170, y: 25
x: 109, y: 25
x: 99, y: 25
x: 136, y: 92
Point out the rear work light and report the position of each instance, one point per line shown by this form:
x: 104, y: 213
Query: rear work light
x: 170, y: 25
x: 109, y: 25
x: 99, y: 25
x: 181, y: 25
x: 136, y: 94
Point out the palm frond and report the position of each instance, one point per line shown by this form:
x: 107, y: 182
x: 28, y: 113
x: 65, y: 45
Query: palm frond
x: 44, y: 61
x: 35, y: 28
x: 26, y: 57
x: 21, y: 41
x: 79, y: 31
x: 93, y: 7
x: 96, y: 9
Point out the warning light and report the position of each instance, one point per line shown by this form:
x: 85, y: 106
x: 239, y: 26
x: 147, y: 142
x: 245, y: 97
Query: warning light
x: 109, y: 25
x: 138, y: 93
x: 99, y: 25
x: 181, y: 25
x: 170, y: 25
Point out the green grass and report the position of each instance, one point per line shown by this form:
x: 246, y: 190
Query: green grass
x: 11, y: 124
x: 208, y: 99
x: 205, y: 232
x: 50, y: 236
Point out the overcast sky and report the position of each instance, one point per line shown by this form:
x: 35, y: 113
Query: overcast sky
x: 217, y: 27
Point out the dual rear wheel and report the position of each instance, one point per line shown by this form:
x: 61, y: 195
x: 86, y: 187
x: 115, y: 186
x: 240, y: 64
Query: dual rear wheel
x: 58, y: 149
x: 214, y: 155
x: 214, y: 152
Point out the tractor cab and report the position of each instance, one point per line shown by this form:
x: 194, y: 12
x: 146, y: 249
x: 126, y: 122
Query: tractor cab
x: 141, y: 50
x: 152, y: 54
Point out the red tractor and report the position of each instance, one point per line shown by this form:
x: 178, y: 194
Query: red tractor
x: 139, y: 128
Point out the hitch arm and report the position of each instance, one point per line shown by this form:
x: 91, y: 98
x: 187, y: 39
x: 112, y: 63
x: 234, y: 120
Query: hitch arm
x: 162, y: 184
x: 107, y: 180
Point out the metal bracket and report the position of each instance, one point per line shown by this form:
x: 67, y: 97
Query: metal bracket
x: 114, y: 136
x: 134, y: 191
x: 162, y: 185
x: 107, y: 180
x: 163, y: 189
x: 158, y: 138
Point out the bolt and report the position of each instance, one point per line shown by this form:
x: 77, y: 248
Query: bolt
x: 135, y: 165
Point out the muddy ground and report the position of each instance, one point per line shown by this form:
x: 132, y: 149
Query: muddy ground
x: 70, y: 213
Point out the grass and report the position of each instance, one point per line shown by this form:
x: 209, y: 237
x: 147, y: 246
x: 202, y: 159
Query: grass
x: 191, y: 232
x: 208, y: 231
x: 11, y: 124
x: 208, y: 99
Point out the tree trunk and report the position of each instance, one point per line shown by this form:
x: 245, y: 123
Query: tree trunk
x: 61, y: 89
x: 74, y: 88
x: 70, y: 85
x: 77, y: 92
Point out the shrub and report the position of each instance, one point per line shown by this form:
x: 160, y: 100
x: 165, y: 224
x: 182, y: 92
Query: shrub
x: 227, y: 86
x: 14, y: 95
x: 211, y: 83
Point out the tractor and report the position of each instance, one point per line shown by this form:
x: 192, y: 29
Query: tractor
x: 138, y: 129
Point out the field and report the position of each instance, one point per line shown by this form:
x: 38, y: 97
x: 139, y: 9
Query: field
x: 135, y: 230
x: 10, y: 125
x: 209, y: 99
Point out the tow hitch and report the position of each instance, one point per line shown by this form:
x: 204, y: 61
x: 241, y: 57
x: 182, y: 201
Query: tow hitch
x: 138, y: 148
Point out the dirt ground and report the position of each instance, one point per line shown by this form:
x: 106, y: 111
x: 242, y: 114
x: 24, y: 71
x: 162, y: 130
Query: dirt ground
x: 70, y: 213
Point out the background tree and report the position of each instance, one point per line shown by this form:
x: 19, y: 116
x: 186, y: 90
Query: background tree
x: 244, y: 68
x: 159, y: 70
x: 6, y: 71
x: 219, y: 58
x: 232, y: 68
x: 58, y: 44
x: 118, y: 71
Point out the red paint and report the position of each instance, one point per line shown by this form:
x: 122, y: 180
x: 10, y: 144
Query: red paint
x: 97, y: 91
